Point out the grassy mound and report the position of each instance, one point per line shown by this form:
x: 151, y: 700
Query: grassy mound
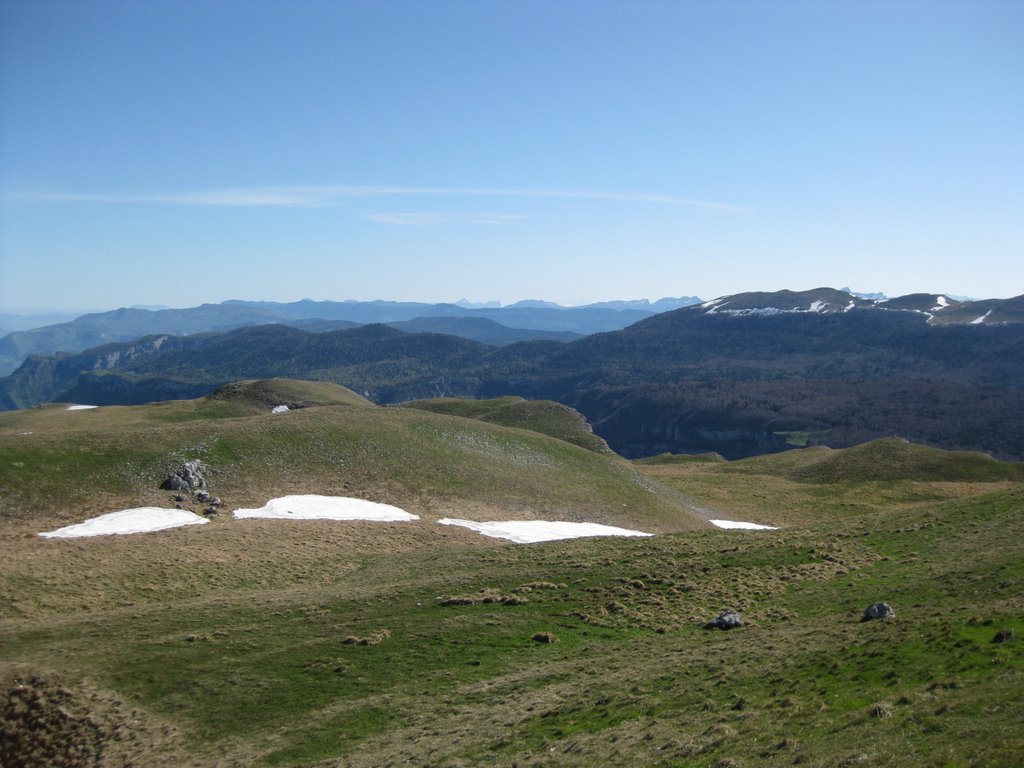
x: 895, y: 459
x: 61, y: 467
x: 269, y: 393
x: 544, y: 416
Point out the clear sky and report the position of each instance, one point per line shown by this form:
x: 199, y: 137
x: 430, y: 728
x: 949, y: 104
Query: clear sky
x: 176, y: 152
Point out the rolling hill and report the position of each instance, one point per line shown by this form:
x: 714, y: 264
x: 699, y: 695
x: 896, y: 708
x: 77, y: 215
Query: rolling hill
x: 300, y: 642
x: 61, y: 461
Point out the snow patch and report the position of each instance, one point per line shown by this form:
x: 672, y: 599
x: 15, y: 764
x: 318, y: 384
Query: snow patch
x: 982, y: 319
x: 312, y: 507
x: 280, y: 409
x: 764, y: 311
x: 139, y: 520
x: 534, y: 531
x: 850, y: 306
x: 737, y: 525
x: 817, y: 307
x: 82, y: 407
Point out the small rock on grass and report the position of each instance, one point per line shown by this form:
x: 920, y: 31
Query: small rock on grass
x: 878, y: 611
x: 725, y: 620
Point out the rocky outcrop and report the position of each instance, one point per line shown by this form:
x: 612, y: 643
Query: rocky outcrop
x: 190, y: 476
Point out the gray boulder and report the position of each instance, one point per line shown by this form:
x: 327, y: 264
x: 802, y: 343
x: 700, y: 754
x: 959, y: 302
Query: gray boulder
x: 878, y: 611
x: 191, y: 476
x: 725, y: 620
x: 174, y: 483
x: 193, y: 473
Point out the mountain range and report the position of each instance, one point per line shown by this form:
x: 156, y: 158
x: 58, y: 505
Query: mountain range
x: 742, y: 375
x: 527, y: 319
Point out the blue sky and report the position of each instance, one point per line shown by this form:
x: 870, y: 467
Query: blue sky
x: 183, y: 152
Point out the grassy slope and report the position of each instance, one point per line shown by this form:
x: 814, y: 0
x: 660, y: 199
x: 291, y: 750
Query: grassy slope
x: 234, y: 637
x: 74, y: 465
x: 542, y: 416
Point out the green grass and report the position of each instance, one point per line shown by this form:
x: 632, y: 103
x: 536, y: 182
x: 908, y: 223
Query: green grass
x: 895, y: 459
x: 542, y: 416
x: 795, y: 439
x: 73, y: 460
x: 234, y: 636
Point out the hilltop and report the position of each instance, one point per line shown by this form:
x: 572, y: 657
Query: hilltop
x: 332, y: 442
x: 539, y: 415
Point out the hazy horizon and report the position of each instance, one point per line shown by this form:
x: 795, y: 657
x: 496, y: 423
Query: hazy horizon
x: 469, y: 301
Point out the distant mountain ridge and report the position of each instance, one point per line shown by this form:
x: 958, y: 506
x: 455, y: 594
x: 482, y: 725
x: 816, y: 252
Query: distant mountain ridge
x: 783, y: 369
x: 937, y: 308
x: 125, y: 324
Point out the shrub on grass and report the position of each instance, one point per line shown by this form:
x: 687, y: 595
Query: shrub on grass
x: 373, y: 639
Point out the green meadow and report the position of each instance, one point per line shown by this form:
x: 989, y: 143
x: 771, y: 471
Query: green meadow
x: 319, y: 643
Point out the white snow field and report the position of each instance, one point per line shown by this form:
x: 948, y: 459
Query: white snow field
x: 533, y: 531
x: 82, y: 407
x: 735, y: 524
x: 312, y: 507
x: 139, y: 520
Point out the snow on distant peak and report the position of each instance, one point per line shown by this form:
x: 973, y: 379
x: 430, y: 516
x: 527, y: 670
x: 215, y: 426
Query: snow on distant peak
x: 763, y: 311
x: 982, y: 319
x: 817, y: 306
x: 875, y: 296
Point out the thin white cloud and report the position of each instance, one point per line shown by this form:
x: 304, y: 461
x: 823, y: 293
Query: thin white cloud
x: 427, y: 218
x: 238, y: 197
x: 315, y: 196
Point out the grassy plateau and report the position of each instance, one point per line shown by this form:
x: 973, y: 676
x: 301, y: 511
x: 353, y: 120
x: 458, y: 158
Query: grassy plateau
x: 318, y: 643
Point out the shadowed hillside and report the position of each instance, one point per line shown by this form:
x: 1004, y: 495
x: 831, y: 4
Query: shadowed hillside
x: 741, y: 376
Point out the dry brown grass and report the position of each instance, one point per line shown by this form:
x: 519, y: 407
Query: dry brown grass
x: 46, y: 720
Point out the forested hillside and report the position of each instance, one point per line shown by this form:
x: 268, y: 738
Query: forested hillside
x: 745, y: 381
